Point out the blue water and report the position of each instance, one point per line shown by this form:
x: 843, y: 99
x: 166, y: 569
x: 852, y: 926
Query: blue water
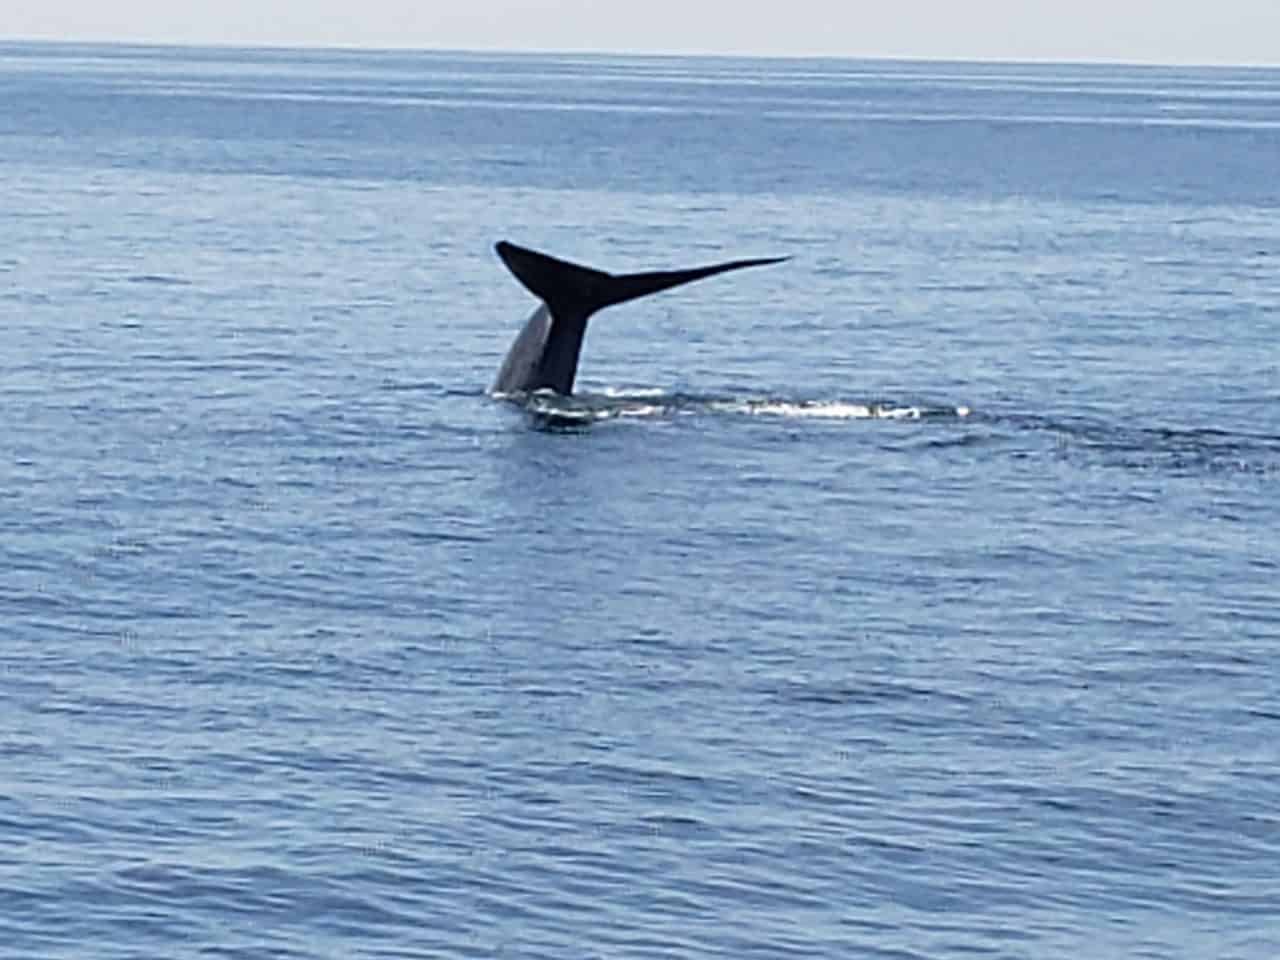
x: 914, y: 598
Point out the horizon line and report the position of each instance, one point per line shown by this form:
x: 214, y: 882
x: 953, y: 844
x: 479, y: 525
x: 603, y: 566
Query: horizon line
x: 671, y: 53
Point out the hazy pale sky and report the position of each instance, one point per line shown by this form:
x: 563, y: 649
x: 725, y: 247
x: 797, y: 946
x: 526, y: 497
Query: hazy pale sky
x: 1167, y: 31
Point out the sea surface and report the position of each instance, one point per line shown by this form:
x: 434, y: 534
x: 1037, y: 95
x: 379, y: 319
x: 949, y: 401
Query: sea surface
x: 918, y: 597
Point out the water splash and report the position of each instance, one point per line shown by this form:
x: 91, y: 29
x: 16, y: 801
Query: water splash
x: 645, y: 403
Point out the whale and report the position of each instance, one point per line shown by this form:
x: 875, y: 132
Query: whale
x: 544, y: 355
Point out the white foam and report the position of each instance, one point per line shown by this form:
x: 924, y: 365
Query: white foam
x: 626, y: 393
x: 831, y: 410
x: 616, y: 402
x: 834, y: 410
x: 641, y: 410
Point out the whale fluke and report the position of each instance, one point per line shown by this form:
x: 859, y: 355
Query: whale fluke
x: 545, y: 354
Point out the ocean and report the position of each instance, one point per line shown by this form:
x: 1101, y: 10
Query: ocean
x: 916, y: 597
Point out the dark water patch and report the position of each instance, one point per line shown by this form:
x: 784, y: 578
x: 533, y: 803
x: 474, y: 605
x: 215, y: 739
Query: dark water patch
x: 156, y: 279
x: 425, y: 386
x: 869, y: 693
x: 1153, y: 448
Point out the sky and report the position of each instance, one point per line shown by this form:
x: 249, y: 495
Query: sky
x: 1137, y: 31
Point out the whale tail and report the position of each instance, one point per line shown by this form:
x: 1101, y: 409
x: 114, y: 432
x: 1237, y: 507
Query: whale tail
x: 570, y: 289
x: 573, y: 293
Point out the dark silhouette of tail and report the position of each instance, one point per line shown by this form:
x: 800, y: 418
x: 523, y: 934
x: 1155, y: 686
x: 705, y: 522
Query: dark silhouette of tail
x: 573, y: 290
x: 573, y: 293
